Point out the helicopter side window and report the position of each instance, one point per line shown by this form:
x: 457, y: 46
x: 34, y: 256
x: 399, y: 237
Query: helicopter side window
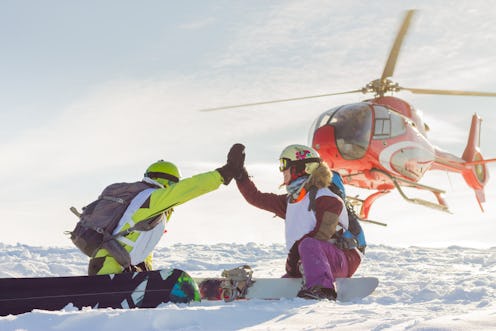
x: 398, y: 126
x: 387, y: 123
x: 382, y: 127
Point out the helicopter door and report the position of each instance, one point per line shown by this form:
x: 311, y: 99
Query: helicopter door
x: 352, y: 128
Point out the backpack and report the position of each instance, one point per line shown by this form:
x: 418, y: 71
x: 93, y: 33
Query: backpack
x: 96, y: 224
x: 353, y: 237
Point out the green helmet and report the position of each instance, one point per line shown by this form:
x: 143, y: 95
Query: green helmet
x: 163, y: 172
x: 303, y: 157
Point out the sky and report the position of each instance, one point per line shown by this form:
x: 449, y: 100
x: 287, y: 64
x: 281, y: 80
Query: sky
x: 91, y: 93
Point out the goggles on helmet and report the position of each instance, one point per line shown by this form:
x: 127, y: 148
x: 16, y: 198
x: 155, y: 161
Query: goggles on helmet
x: 285, y: 164
x: 170, y: 178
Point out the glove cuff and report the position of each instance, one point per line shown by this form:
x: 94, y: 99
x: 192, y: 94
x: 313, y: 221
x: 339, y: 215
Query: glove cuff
x: 226, y: 173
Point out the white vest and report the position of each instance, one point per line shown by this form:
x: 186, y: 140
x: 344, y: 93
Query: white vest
x: 147, y: 240
x: 300, y: 220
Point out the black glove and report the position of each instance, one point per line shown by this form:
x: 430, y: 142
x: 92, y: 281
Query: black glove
x: 236, y: 159
x: 235, y: 163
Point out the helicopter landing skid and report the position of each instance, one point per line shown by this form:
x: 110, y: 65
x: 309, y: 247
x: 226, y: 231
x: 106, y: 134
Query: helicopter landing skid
x: 362, y: 206
x: 399, y: 182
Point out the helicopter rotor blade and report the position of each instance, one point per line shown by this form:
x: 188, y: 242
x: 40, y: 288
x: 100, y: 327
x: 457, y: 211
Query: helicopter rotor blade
x: 395, y: 50
x: 279, y: 100
x: 449, y: 92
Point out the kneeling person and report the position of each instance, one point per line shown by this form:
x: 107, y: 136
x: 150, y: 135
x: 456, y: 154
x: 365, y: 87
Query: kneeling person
x: 315, y: 218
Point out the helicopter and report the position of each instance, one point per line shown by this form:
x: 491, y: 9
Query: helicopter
x: 381, y: 143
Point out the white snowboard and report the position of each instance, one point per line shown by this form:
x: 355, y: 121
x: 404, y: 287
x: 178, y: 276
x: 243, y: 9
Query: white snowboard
x: 351, y: 289
x: 348, y: 289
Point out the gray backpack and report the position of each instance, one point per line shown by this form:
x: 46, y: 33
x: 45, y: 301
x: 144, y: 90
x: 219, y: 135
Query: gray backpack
x: 100, y: 218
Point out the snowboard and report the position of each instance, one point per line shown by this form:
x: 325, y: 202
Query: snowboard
x: 126, y: 290
x: 348, y: 289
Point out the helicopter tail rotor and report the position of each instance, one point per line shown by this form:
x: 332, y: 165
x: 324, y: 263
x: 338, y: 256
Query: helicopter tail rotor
x: 475, y: 174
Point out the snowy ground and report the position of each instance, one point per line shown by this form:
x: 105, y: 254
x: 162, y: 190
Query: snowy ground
x: 450, y: 288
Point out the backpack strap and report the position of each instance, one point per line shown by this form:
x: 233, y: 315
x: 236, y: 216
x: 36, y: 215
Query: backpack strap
x: 145, y: 225
x: 312, y: 193
x: 341, y: 241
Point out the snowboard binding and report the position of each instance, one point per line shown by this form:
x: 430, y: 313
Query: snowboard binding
x: 236, y: 283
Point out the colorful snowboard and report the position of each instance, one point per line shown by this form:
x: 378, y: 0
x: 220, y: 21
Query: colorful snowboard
x: 126, y: 290
x: 348, y: 289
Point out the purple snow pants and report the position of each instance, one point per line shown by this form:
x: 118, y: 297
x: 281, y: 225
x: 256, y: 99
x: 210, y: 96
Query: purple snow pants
x: 322, y: 262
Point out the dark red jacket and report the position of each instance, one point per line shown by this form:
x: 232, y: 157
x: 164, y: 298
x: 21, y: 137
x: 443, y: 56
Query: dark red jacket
x: 277, y: 204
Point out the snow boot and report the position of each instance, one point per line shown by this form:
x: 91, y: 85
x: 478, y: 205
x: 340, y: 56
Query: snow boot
x: 318, y: 293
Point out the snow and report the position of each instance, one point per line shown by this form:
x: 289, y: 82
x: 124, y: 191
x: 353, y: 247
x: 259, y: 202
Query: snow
x: 451, y: 288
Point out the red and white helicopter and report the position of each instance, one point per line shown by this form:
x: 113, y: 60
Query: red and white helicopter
x: 381, y: 143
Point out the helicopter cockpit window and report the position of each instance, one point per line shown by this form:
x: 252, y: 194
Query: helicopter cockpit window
x: 320, y: 122
x: 352, y: 128
x: 387, y: 123
x: 324, y: 120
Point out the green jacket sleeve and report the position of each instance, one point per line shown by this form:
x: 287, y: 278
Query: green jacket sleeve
x: 178, y: 193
